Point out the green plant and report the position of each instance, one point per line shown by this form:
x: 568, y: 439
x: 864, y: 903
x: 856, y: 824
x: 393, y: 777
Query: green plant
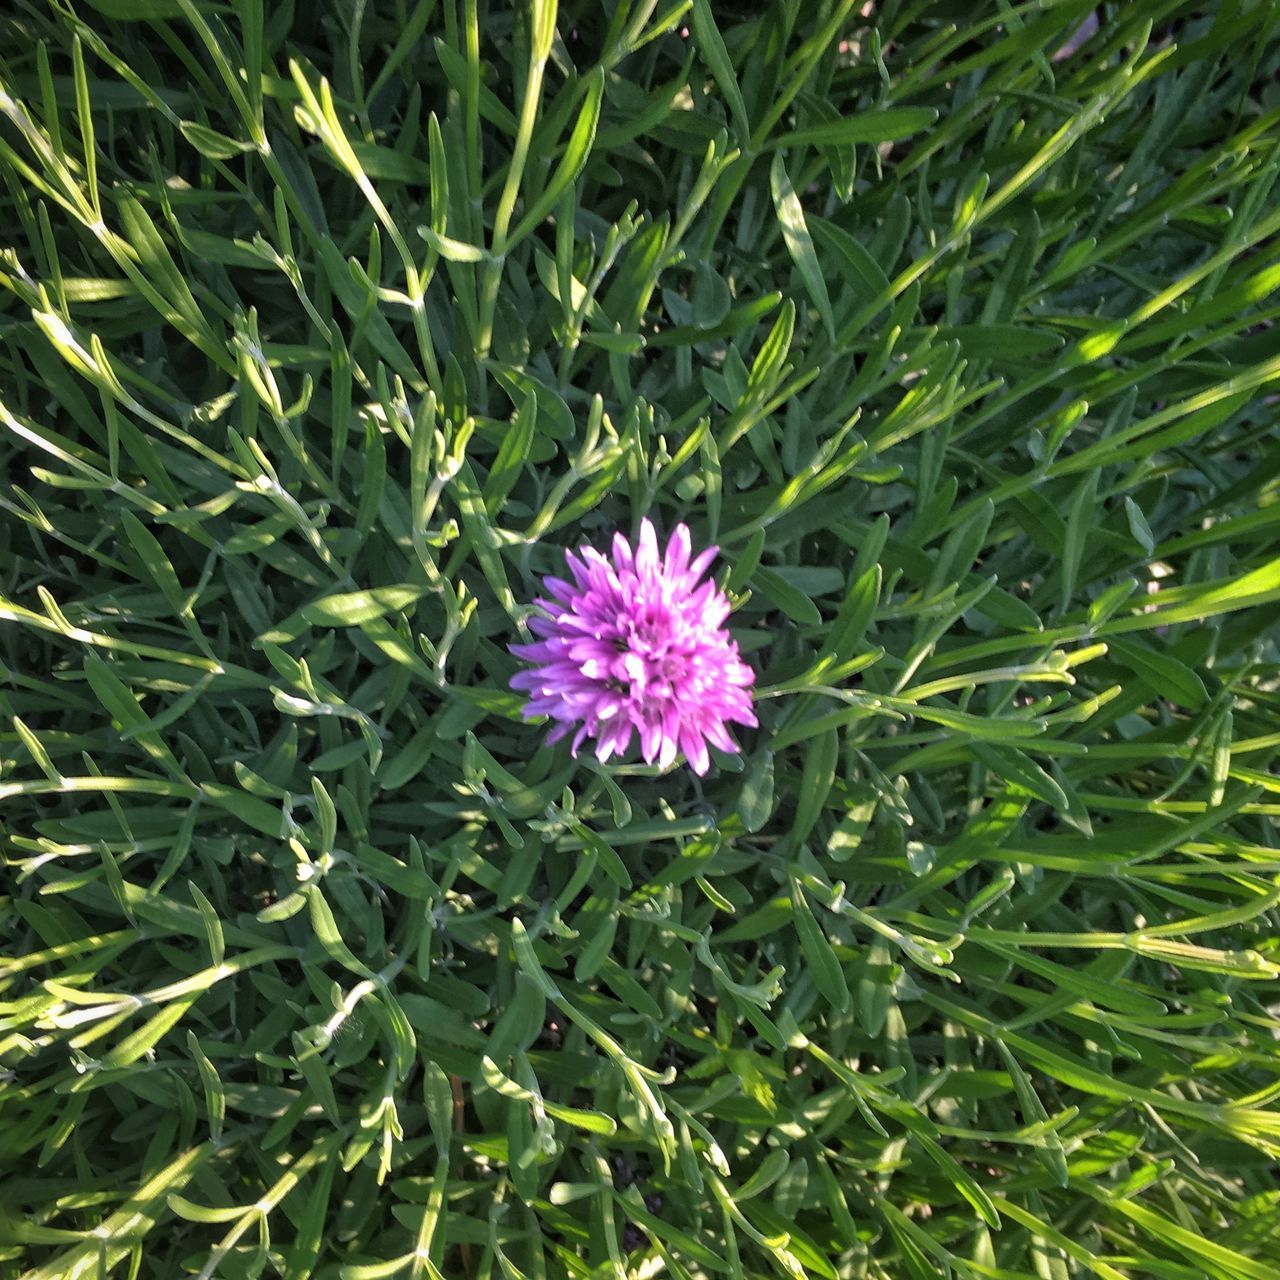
x: 325, y: 329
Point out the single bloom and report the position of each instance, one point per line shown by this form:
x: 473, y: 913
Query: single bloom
x: 635, y: 644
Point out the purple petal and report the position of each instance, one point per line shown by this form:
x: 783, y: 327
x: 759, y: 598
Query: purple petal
x: 647, y: 551
x: 622, y: 558
x: 695, y: 751
x: 678, y: 549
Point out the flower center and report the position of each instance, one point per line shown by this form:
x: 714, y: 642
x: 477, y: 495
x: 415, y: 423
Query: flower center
x: 653, y: 655
x: 654, y: 666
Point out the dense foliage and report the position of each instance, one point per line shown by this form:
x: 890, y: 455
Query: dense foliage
x: 327, y: 327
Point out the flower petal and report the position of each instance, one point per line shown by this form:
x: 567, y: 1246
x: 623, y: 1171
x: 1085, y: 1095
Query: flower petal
x: 695, y: 751
x: 647, y: 552
x: 678, y: 549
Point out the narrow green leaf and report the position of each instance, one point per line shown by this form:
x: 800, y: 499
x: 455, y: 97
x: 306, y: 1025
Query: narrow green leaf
x: 712, y: 48
x: 755, y: 800
x: 351, y: 608
x: 1018, y: 768
x: 821, y: 960
x: 795, y: 232
x: 891, y: 124
x: 1160, y: 671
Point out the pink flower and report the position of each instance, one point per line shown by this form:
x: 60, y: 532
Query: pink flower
x: 634, y: 643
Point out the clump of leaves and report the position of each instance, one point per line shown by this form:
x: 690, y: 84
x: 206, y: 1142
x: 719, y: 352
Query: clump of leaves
x: 325, y: 329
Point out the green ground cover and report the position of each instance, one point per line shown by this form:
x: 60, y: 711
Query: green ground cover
x: 326, y: 328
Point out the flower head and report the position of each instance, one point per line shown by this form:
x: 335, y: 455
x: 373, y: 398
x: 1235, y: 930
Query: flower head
x: 633, y: 643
